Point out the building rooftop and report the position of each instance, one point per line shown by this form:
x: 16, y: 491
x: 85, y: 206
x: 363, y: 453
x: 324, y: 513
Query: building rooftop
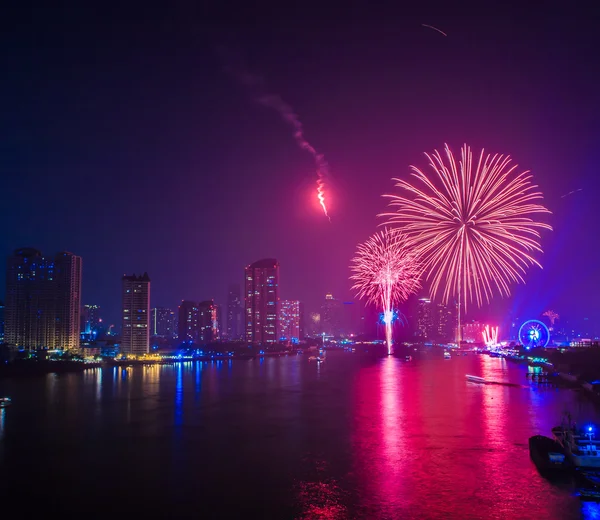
x: 265, y: 263
x: 134, y: 278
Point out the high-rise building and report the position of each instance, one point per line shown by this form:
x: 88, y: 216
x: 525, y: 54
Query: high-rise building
x: 1, y: 322
x: 289, y: 320
x: 188, y: 322
x: 43, y: 300
x: 91, y: 321
x: 332, y: 313
x: 162, y: 323
x: 424, y: 319
x: 262, y: 301
x: 435, y: 321
x: 472, y: 332
x: 235, y: 314
x: 208, y: 324
x: 136, y: 314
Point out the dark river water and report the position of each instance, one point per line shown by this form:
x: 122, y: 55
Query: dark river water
x: 286, y: 438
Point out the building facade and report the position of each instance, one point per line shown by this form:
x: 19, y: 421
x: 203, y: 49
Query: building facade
x: 332, y: 316
x: 43, y: 300
x: 91, y: 322
x: 261, y: 297
x: 235, y: 313
x: 1, y: 322
x: 135, y: 338
x: 162, y: 321
x: 290, y: 315
x: 188, y: 322
x: 435, y: 321
x: 208, y: 322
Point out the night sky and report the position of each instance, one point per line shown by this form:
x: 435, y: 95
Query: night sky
x: 124, y: 139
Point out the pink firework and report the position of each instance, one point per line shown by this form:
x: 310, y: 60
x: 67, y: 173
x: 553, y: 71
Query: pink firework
x: 490, y: 336
x: 471, y: 223
x: 385, y: 272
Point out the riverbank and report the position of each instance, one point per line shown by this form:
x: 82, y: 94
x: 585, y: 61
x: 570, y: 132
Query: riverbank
x: 33, y: 367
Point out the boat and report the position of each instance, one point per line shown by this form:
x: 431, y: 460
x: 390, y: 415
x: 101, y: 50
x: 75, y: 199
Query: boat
x: 547, y: 454
x: 582, y: 450
x: 475, y: 379
x: 5, y: 401
x: 447, y: 355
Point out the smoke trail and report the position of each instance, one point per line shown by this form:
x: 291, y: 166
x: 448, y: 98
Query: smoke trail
x: 286, y: 112
x: 291, y: 118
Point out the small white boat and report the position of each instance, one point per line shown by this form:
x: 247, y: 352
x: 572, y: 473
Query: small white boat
x: 475, y: 379
x: 447, y: 355
x: 5, y: 401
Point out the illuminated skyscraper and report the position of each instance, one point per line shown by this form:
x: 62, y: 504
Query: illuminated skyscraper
x: 332, y: 314
x: 90, y: 320
x: 188, y: 326
x: 235, y: 314
x: 136, y: 314
x: 424, y: 319
x: 435, y: 321
x: 262, y: 301
x: 208, y: 323
x: 162, y: 323
x: 472, y: 332
x: 289, y: 320
x: 43, y: 299
x: 1, y: 322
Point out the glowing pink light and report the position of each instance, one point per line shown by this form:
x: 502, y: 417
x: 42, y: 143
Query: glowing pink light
x: 385, y: 273
x: 552, y: 316
x: 490, y: 336
x: 291, y: 118
x: 321, y: 195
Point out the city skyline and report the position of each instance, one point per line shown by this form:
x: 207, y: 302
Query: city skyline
x: 232, y: 163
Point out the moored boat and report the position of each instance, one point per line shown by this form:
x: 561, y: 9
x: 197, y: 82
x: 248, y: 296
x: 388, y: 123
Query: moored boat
x: 582, y: 450
x: 5, y: 401
x: 547, y: 454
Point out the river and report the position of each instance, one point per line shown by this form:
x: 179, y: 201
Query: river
x: 281, y: 438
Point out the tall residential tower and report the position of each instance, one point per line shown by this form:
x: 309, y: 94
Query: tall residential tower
x: 262, y: 301
x: 136, y: 314
x: 235, y: 318
x: 43, y: 300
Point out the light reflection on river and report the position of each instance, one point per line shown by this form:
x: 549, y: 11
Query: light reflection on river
x: 288, y: 438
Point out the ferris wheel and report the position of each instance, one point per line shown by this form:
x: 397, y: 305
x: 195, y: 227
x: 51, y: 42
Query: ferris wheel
x: 534, y: 333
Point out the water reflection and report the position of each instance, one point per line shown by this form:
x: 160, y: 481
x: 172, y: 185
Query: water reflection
x: 179, y: 398
x: 351, y: 438
x: 198, y: 386
x: 590, y: 510
x: 380, y: 437
x: 2, y: 420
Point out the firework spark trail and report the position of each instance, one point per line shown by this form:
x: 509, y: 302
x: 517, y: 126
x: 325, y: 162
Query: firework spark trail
x: 385, y: 273
x: 470, y: 224
x: 571, y: 193
x: 490, y: 336
x: 291, y: 118
x: 235, y: 68
x: 552, y: 316
x: 434, y: 28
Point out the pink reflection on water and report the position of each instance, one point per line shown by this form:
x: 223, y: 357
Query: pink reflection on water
x: 380, y: 436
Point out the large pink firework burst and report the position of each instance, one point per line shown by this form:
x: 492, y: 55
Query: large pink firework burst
x: 471, y: 223
x: 385, y: 273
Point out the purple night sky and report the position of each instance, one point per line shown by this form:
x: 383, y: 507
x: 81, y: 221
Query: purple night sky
x: 128, y: 143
